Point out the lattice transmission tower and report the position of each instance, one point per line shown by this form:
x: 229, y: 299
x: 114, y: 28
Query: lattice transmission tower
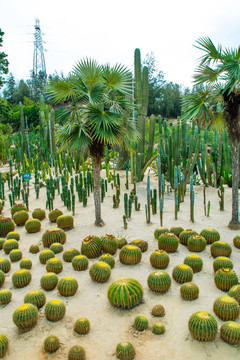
x: 39, y: 73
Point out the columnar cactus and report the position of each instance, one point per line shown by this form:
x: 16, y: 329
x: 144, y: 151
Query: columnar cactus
x: 49, y: 281
x: 194, y: 261
x: 65, y: 221
x: 54, y: 265
x: 159, y: 259
x: 130, y: 255
x: 80, y: 263
x: 9, y: 245
x: 185, y: 235
x: 67, y: 286
x: 82, y: 326
x: 121, y: 241
x: 109, y: 259
x: 203, y: 326
x: 196, y: 243
x: 32, y: 226
x: 159, y: 281
x: 2, y: 278
x: 76, y: 353
x: 54, y: 214
x: 51, y: 344
x: 109, y: 244
x: 158, y: 310
x: 57, y: 248
x: 100, y: 271
x: 125, y: 351
x: 168, y: 242
x: 140, y: 323
x: 220, y: 248
x: 158, y: 329
x: 234, y: 292
x: 13, y: 235
x: 176, y: 230
x: 69, y: 254
x: 34, y: 249
x: 21, y: 278
x: 6, y: 225
x: 91, y: 246
x: 222, y: 262
x: 125, y: 293
x: 35, y: 297
x: 20, y: 217
x: 182, y: 273
x: 55, y: 310
x: 3, y: 345
x: 5, y: 297
x: 230, y: 332
x: 226, y: 308
x: 159, y: 231
x: 189, y: 291
x: 225, y: 278
x: 38, y: 214
x: 141, y: 244
x: 211, y: 235
x: 15, y: 255
x: 52, y: 236
x: 5, y: 265
x: 45, y: 255
x: 25, y: 317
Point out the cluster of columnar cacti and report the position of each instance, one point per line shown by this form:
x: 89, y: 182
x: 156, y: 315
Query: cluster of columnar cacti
x: 125, y: 293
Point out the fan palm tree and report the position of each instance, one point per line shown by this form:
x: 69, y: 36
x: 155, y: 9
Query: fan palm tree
x: 219, y: 72
x: 90, y: 94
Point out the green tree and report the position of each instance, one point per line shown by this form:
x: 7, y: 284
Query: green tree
x: 3, y: 62
x: 92, y: 89
x: 170, y: 101
x: 219, y: 72
x: 10, y: 88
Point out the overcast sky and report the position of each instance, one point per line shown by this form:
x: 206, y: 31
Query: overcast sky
x: 110, y: 30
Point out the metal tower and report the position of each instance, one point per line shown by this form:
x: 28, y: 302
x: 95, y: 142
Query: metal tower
x: 39, y: 74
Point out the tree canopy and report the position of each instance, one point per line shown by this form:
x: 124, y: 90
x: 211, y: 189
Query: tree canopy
x: 3, y: 62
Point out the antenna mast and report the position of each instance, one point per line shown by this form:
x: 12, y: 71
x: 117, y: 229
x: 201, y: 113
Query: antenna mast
x: 39, y: 73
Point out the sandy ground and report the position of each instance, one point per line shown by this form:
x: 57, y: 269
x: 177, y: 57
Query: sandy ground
x: 110, y: 325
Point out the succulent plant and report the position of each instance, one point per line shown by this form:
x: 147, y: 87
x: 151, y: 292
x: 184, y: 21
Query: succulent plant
x: 67, y: 286
x: 168, y: 242
x: 20, y: 217
x: 158, y: 310
x: 141, y: 244
x: 13, y: 235
x: 53, y: 235
x: 125, y: 293
x: 159, y: 231
x: 121, y: 241
x: 203, y: 326
x: 5, y: 265
x: 226, y: 308
x: 222, y: 262
x: 80, y: 263
x: 34, y: 249
x: 9, y: 245
x: 69, y: 254
x: 196, y: 243
x: 82, y: 326
x: 236, y: 241
x: 51, y: 344
x: 57, y: 248
x: 176, y: 230
x: 21, y: 278
x: 38, y: 214
x: 189, y: 291
x: 109, y: 259
x: 25, y: 317
x: 6, y: 225
x: 130, y: 255
x: 185, y: 235
x: 182, y: 273
x: 25, y: 264
x: 49, y: 281
x: 234, y: 292
x: 91, y: 246
x: 220, y: 248
x: 211, y: 235
x: 225, y: 278
x: 3, y: 345
x: 35, y: 297
x: 15, y: 255
x: 140, y: 322
x: 159, y: 281
x: 55, y: 310
x: 65, y: 221
x: 158, y: 329
x: 54, y: 214
x: 54, y: 265
x: 76, y: 353
x: 32, y: 226
x: 17, y: 207
x: 2, y: 278
x: 5, y: 296
x: 109, y: 244
x: 194, y: 261
x: 159, y: 259
x: 100, y: 271
x: 125, y: 351
x: 230, y: 332
x: 45, y: 255
x: 2, y: 241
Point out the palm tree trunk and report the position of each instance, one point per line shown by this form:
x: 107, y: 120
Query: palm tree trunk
x: 97, y: 189
x: 234, y: 223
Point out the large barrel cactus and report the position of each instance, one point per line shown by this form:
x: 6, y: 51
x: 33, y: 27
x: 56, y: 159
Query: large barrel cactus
x: 5, y: 297
x: 176, y: 230
x: 69, y: 254
x: 235, y: 293
x: 159, y: 231
x: 141, y: 244
x: 159, y: 281
x: 57, y: 248
x: 54, y: 265
x: 21, y: 278
x: 225, y: 278
x: 5, y: 265
x: 35, y: 297
x: 6, y: 225
x: 67, y: 286
x: 91, y: 246
x: 194, y: 261
x: 25, y: 264
x: 10, y: 245
x: 18, y: 207
x: 185, y: 235
x: 222, y: 262
x: 100, y: 271
x: 38, y: 214
x: 3, y: 345
x: 168, y: 242
x: 51, y: 344
x: 80, y: 263
x: 2, y: 241
x: 25, y: 317
x: 130, y: 255
x: 15, y: 255
x: 189, y: 291
x: 125, y: 351
x: 45, y: 255
x: 182, y: 273
x: 226, y: 308
x: 49, y: 281
x: 32, y: 226
x: 220, y: 248
x: 121, y: 241
x: 159, y: 259
x: 53, y: 235
x: 76, y: 353
x: 196, y: 243
x: 109, y: 244
x: 2, y: 278
x: 82, y: 326
x: 236, y: 241
x: 55, y: 310
x: 230, y: 332
x: 20, y: 217
x: 125, y: 293
x: 109, y: 259
x: 13, y: 235
x: 203, y: 326
x: 65, y: 221
x: 211, y: 235
x: 54, y: 214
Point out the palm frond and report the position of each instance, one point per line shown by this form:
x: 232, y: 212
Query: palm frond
x: 74, y: 136
x: 89, y: 71
x: 117, y: 78
x: 206, y: 74
x: 212, y: 54
x: 61, y: 90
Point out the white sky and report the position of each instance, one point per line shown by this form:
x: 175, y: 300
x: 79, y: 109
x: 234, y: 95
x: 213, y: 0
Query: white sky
x: 110, y: 30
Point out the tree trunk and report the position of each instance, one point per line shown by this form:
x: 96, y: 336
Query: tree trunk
x: 97, y: 191
x: 234, y: 223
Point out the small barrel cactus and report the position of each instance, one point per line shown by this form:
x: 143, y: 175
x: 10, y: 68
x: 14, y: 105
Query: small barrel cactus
x: 3, y: 345
x: 236, y: 241
x: 182, y: 273
x: 196, y: 243
x: 67, y: 286
x: 91, y: 246
x: 6, y: 225
x: 34, y: 249
x: 130, y: 255
x: 69, y: 254
x: 222, y: 262
x: 21, y: 278
x: 159, y: 231
x: 5, y: 265
x: 189, y: 291
x: 234, y: 292
x: 9, y: 245
x: 76, y: 353
x: 45, y: 255
x: 5, y: 297
x: 211, y: 235
x: 168, y: 242
x: 159, y: 259
x: 80, y: 263
x: 141, y: 244
x: 140, y: 323
x: 15, y: 255
x: 54, y: 265
x: 25, y: 264
x: 17, y: 207
x: 35, y: 297
x: 225, y: 278
x: 38, y: 214
x: 51, y: 344
x: 49, y: 281
x: 226, y: 308
x: 158, y: 310
x: 185, y: 235
x: 2, y: 278
x: 125, y: 351
x: 158, y: 329
x: 125, y: 293
x: 176, y: 230
x: 121, y: 241
x: 82, y: 326
x: 13, y: 235
x: 20, y: 217
x: 220, y: 248
x: 55, y: 310
x: 159, y: 281
x: 32, y: 226
x: 65, y: 221
x: 100, y: 271
x: 57, y: 248
x: 109, y: 244
x: 230, y: 332
x: 203, y: 326
x: 54, y: 214
x: 52, y: 236
x: 25, y: 316
x: 109, y: 259
x: 194, y: 261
